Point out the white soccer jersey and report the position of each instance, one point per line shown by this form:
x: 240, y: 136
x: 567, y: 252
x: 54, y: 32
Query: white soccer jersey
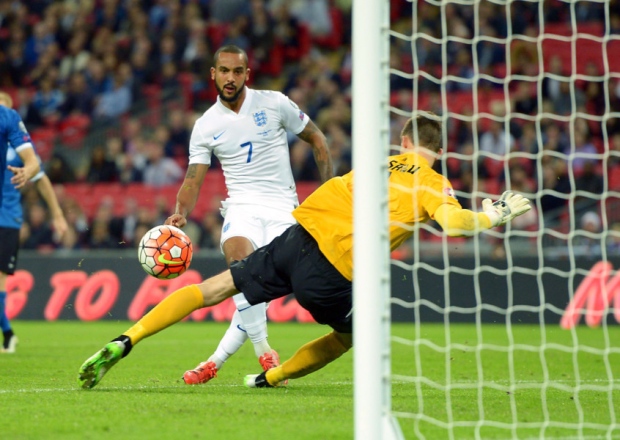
x: 252, y: 147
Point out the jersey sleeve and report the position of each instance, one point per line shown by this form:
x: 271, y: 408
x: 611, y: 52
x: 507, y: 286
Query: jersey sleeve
x: 438, y: 191
x: 293, y: 118
x: 17, y: 135
x: 200, y: 149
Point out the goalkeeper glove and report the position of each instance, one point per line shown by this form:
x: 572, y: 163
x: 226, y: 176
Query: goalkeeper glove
x: 509, y: 206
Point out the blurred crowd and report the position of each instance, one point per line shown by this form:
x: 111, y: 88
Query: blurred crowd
x: 75, y: 66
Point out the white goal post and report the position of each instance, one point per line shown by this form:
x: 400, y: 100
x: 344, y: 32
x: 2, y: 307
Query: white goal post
x: 548, y: 272
x: 371, y: 289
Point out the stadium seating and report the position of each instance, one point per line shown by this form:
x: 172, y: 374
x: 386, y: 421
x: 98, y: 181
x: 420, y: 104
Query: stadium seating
x: 73, y: 130
x: 44, y: 139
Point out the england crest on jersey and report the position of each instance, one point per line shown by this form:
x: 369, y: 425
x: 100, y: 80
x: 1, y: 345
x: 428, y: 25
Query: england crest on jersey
x: 260, y: 118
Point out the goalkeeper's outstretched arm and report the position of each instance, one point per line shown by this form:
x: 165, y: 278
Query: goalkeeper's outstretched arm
x: 457, y: 222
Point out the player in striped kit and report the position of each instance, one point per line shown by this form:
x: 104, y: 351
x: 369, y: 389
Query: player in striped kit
x: 246, y: 130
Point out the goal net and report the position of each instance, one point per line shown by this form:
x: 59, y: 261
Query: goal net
x: 512, y: 333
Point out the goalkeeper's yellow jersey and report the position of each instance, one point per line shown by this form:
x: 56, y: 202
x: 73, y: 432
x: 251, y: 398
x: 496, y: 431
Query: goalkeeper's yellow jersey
x: 415, y: 193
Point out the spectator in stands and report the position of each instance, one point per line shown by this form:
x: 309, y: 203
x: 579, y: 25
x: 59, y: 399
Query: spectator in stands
x: 338, y: 111
x: 589, y: 11
x: 490, y: 53
x: 339, y: 148
x: 128, y: 221
x: 521, y: 184
x: 613, y: 162
x: 614, y: 23
x: 290, y: 33
x: 48, y: 99
x: 260, y: 35
x: 160, y: 170
x: 36, y: 232
x: 100, y: 233
x: 235, y: 33
x: 524, y: 53
x: 225, y: 11
x: 27, y: 110
x: 312, y: 13
x: 524, y: 98
x: 563, y: 103
x: 179, y: 134
x: 497, y: 142
x: 79, y: 98
x: 46, y: 66
x: 555, y: 184
x: 70, y: 240
x: 579, y: 153
x: 551, y: 84
x: 467, y: 187
x: 197, y: 57
x: 613, y: 240
x: 115, y: 153
x: 528, y: 142
x: 169, y: 80
x: 554, y: 138
x: 101, y: 237
x: 158, y: 15
x: 137, y: 159
x: 588, y: 241
x: 111, y: 105
x: 427, y: 51
x: 496, y: 139
x: 463, y: 70
x: 211, y: 230
x: 15, y: 67
x: 589, y: 181
x: 101, y: 168
x: 76, y: 58
x: 144, y: 71
x: 76, y: 218
x: 37, y: 43
x: 141, y: 229
x: 167, y: 51
x: 96, y: 77
x: 59, y: 170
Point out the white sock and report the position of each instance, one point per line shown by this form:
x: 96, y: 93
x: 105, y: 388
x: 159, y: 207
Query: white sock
x: 254, y: 322
x: 232, y: 341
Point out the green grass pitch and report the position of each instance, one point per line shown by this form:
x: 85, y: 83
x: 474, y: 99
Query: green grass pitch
x: 144, y: 396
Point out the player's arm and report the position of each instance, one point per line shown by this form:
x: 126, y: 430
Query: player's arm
x: 188, y: 194
x: 320, y: 149
x: 45, y: 188
x: 31, y: 167
x: 457, y: 221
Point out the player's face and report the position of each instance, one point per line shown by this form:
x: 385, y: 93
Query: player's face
x: 230, y: 74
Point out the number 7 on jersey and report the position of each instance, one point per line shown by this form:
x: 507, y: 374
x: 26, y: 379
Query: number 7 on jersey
x: 248, y: 144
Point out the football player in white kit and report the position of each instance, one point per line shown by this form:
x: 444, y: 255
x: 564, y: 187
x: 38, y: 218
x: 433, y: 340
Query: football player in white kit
x: 246, y: 130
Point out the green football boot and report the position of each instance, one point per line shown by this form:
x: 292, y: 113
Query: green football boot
x: 92, y: 371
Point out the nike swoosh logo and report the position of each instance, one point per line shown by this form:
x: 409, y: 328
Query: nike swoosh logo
x: 240, y: 328
x: 218, y: 136
x: 163, y: 260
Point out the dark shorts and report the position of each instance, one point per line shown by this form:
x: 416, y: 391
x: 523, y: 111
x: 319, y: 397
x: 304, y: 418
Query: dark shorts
x: 293, y: 263
x: 9, y: 246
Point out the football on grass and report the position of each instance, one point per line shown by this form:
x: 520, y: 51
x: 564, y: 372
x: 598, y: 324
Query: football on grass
x: 165, y: 252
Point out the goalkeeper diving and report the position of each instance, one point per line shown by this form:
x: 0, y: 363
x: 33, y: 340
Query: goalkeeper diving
x: 314, y: 258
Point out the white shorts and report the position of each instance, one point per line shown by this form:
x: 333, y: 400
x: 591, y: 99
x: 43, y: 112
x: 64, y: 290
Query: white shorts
x: 257, y: 223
